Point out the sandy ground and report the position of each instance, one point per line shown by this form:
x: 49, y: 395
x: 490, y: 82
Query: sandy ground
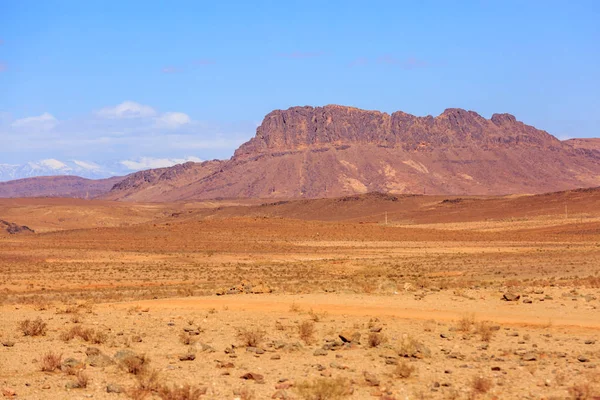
x: 133, y: 308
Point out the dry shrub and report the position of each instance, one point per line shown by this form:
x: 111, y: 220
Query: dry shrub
x: 404, y: 370
x: 413, y: 348
x: 252, y: 337
x: 580, y: 391
x: 481, y: 384
x: 135, y: 364
x: 324, y: 389
x: 187, y: 339
x: 484, y: 329
x: 87, y: 335
x: 465, y: 323
x: 37, y: 327
x: 82, y: 379
x: 306, y: 330
x: 51, y: 362
x: 375, y: 339
x: 246, y: 394
x: 147, y: 382
x: 185, y: 392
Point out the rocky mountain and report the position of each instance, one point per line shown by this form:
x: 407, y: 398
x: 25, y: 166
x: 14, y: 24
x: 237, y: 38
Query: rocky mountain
x: 588, y: 143
x: 334, y: 151
x: 57, y: 186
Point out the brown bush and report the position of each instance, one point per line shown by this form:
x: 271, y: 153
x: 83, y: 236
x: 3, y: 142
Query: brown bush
x: 306, y: 330
x: 481, y: 384
x: 324, y: 389
x: 375, y: 339
x: 82, y: 379
x: 51, y: 362
x: 484, y: 329
x: 185, y: 392
x: 135, y: 364
x: 37, y: 327
x: 251, y: 337
x: 187, y: 339
x: 404, y: 370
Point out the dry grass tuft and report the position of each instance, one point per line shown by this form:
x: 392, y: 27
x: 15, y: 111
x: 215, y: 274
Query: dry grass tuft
x: 404, y: 370
x: 185, y: 392
x: 82, y: 379
x: 135, y: 364
x: 51, y: 362
x: 580, y: 391
x: 465, y: 323
x: 252, y: 337
x: 481, y: 384
x: 376, y: 339
x: 187, y: 339
x: 306, y: 330
x: 147, y: 383
x: 37, y: 327
x: 484, y: 329
x: 324, y: 389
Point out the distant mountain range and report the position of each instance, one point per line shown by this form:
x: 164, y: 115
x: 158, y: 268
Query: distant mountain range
x: 332, y: 151
x: 51, y: 167
x: 84, y: 169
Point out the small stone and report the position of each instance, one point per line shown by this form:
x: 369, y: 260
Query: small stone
x: 92, y: 351
x: 529, y: 356
x: 275, y: 357
x: 187, y: 357
x: 583, y: 358
x: 253, y: 376
x: 590, y: 342
x: 527, y: 301
x: 350, y: 337
x: 511, y: 297
x: 371, y: 379
x: 320, y: 352
x: 8, y: 343
x: 114, y: 388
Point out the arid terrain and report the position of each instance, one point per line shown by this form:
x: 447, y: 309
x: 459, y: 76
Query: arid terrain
x: 359, y: 297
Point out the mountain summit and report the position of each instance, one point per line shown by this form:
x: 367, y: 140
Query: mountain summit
x: 336, y: 150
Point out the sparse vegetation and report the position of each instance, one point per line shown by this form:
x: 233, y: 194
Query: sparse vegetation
x: 251, y: 337
x: 36, y: 327
x: 306, y: 330
x: 184, y: 392
x: 324, y: 389
x: 135, y: 364
x: 481, y: 384
x: 404, y: 370
x: 51, y: 362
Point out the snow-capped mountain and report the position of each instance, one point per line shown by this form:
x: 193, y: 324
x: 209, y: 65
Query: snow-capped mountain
x: 85, y: 169
x: 52, y: 166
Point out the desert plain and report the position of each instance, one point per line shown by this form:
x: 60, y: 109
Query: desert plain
x: 367, y: 296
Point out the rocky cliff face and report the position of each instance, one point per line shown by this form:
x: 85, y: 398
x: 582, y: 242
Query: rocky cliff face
x: 335, y: 151
x: 301, y: 127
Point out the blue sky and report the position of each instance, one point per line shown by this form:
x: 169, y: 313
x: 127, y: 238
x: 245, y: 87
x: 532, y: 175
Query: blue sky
x: 122, y: 80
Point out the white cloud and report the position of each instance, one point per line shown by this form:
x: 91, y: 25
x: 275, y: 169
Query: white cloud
x: 46, y: 121
x: 149, y: 162
x: 87, y: 165
x: 173, y: 120
x: 127, y: 109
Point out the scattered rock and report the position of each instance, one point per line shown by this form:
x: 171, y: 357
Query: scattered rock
x: 187, y: 357
x: 527, y: 301
x: 8, y: 343
x: 371, y: 379
x: 253, y: 376
x: 114, y: 388
x: 350, y: 337
x: 511, y: 297
x: 529, y: 356
x: 320, y: 352
x: 583, y: 358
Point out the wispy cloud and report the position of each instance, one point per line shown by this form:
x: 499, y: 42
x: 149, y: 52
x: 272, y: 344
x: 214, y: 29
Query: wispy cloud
x: 301, y: 55
x: 149, y: 162
x: 173, y: 120
x: 127, y: 109
x: 43, y: 122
